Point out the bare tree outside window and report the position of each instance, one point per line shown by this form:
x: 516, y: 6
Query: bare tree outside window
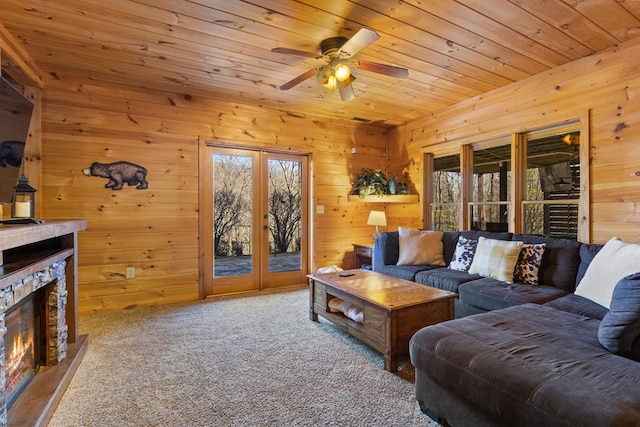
x: 285, y: 212
x: 285, y: 205
x: 492, y: 181
x: 447, y: 193
x: 232, y: 201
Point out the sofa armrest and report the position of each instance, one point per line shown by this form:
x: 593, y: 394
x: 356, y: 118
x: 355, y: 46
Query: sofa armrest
x: 386, y: 249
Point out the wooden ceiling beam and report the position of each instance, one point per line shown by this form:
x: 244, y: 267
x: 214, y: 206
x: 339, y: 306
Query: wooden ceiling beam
x: 17, y: 62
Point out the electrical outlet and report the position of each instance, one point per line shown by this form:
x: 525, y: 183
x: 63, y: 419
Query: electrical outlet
x: 320, y: 209
x: 130, y: 273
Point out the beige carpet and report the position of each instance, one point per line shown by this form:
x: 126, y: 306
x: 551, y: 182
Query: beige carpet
x: 252, y: 361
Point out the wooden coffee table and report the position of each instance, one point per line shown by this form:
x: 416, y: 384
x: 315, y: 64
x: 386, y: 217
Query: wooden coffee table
x: 394, y: 309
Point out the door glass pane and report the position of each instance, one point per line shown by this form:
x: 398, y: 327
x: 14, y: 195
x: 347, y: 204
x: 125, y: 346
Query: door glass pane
x: 233, y: 213
x: 285, y: 214
x: 447, y: 193
x: 491, y: 188
x: 553, y: 174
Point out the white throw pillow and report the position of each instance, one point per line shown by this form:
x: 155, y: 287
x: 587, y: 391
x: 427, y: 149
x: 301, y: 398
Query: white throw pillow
x: 495, y: 258
x: 615, y: 260
x: 420, y: 247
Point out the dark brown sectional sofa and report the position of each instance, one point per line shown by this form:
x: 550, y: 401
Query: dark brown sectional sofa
x: 518, y: 354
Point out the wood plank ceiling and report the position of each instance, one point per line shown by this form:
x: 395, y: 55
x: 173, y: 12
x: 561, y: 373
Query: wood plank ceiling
x: 453, y: 49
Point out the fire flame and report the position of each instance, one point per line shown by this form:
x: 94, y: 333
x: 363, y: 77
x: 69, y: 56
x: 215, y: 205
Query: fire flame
x: 15, y: 359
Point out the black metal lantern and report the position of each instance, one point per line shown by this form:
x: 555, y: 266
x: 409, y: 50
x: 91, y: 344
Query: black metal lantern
x: 24, y: 201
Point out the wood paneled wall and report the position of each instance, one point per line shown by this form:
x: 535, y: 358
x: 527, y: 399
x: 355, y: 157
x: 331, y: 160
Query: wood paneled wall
x: 156, y: 230
x: 607, y: 85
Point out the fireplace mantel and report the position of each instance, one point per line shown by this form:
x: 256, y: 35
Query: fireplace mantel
x: 27, y: 252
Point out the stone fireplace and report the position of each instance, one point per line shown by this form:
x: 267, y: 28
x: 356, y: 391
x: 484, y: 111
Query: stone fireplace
x: 36, y: 333
x: 40, y: 347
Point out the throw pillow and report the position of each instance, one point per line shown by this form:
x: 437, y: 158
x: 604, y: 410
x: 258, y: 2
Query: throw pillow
x: 496, y: 259
x: 420, y: 247
x: 615, y: 260
x: 463, y: 255
x: 528, y: 264
x: 620, y: 328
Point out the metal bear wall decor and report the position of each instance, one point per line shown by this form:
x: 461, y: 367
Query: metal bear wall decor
x: 119, y: 173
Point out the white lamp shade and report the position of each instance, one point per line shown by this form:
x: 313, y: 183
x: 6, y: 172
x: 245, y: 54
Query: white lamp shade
x: 377, y: 218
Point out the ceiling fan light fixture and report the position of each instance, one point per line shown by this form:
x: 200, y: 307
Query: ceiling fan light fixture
x: 323, y: 74
x: 338, y: 53
x: 331, y: 83
x: 342, y: 72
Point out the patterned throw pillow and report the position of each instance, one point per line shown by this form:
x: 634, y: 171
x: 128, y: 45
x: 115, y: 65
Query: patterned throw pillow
x: 463, y: 255
x: 528, y: 264
x: 496, y: 259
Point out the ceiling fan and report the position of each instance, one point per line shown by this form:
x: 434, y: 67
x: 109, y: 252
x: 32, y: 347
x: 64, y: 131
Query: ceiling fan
x: 338, y: 53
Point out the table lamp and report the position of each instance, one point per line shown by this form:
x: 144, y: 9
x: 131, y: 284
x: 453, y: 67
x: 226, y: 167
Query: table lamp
x: 377, y: 218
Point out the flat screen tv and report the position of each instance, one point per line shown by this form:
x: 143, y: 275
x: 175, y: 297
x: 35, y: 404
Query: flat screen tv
x: 15, y: 117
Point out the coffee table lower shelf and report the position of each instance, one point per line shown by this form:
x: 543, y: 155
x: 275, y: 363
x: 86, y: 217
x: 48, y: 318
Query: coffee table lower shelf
x: 393, y: 309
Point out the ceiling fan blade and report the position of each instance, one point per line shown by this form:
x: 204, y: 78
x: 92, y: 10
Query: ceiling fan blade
x: 295, y: 52
x: 388, y: 70
x: 296, y: 81
x: 349, y: 80
x: 346, y: 91
x: 363, y: 38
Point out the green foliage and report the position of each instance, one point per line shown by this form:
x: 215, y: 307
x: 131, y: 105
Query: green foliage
x: 371, y: 181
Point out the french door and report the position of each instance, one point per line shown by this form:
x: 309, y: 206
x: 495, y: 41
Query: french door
x: 255, y: 224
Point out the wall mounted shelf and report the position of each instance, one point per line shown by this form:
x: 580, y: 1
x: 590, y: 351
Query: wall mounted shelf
x: 384, y: 198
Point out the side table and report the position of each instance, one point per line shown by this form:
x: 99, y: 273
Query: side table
x: 363, y: 254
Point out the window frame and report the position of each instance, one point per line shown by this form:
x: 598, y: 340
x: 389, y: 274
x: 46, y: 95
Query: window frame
x: 431, y: 205
x: 518, y: 200
x: 524, y: 139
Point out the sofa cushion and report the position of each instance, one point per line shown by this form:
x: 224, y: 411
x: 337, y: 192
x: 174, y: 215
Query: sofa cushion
x: 572, y: 303
x: 476, y: 234
x: 530, y: 365
x: 615, y: 260
x: 490, y: 294
x: 449, y: 242
x: 528, y: 265
x: 463, y: 255
x: 588, y: 251
x: 388, y: 247
x: 495, y: 258
x: 444, y: 278
x: 406, y: 272
x: 560, y: 260
x: 420, y: 247
x: 620, y: 328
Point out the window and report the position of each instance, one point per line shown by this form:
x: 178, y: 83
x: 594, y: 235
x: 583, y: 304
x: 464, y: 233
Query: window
x: 532, y: 183
x: 551, y: 195
x: 447, y: 193
x: 491, y: 186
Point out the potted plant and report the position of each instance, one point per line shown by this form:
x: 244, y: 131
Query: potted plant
x: 370, y: 181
